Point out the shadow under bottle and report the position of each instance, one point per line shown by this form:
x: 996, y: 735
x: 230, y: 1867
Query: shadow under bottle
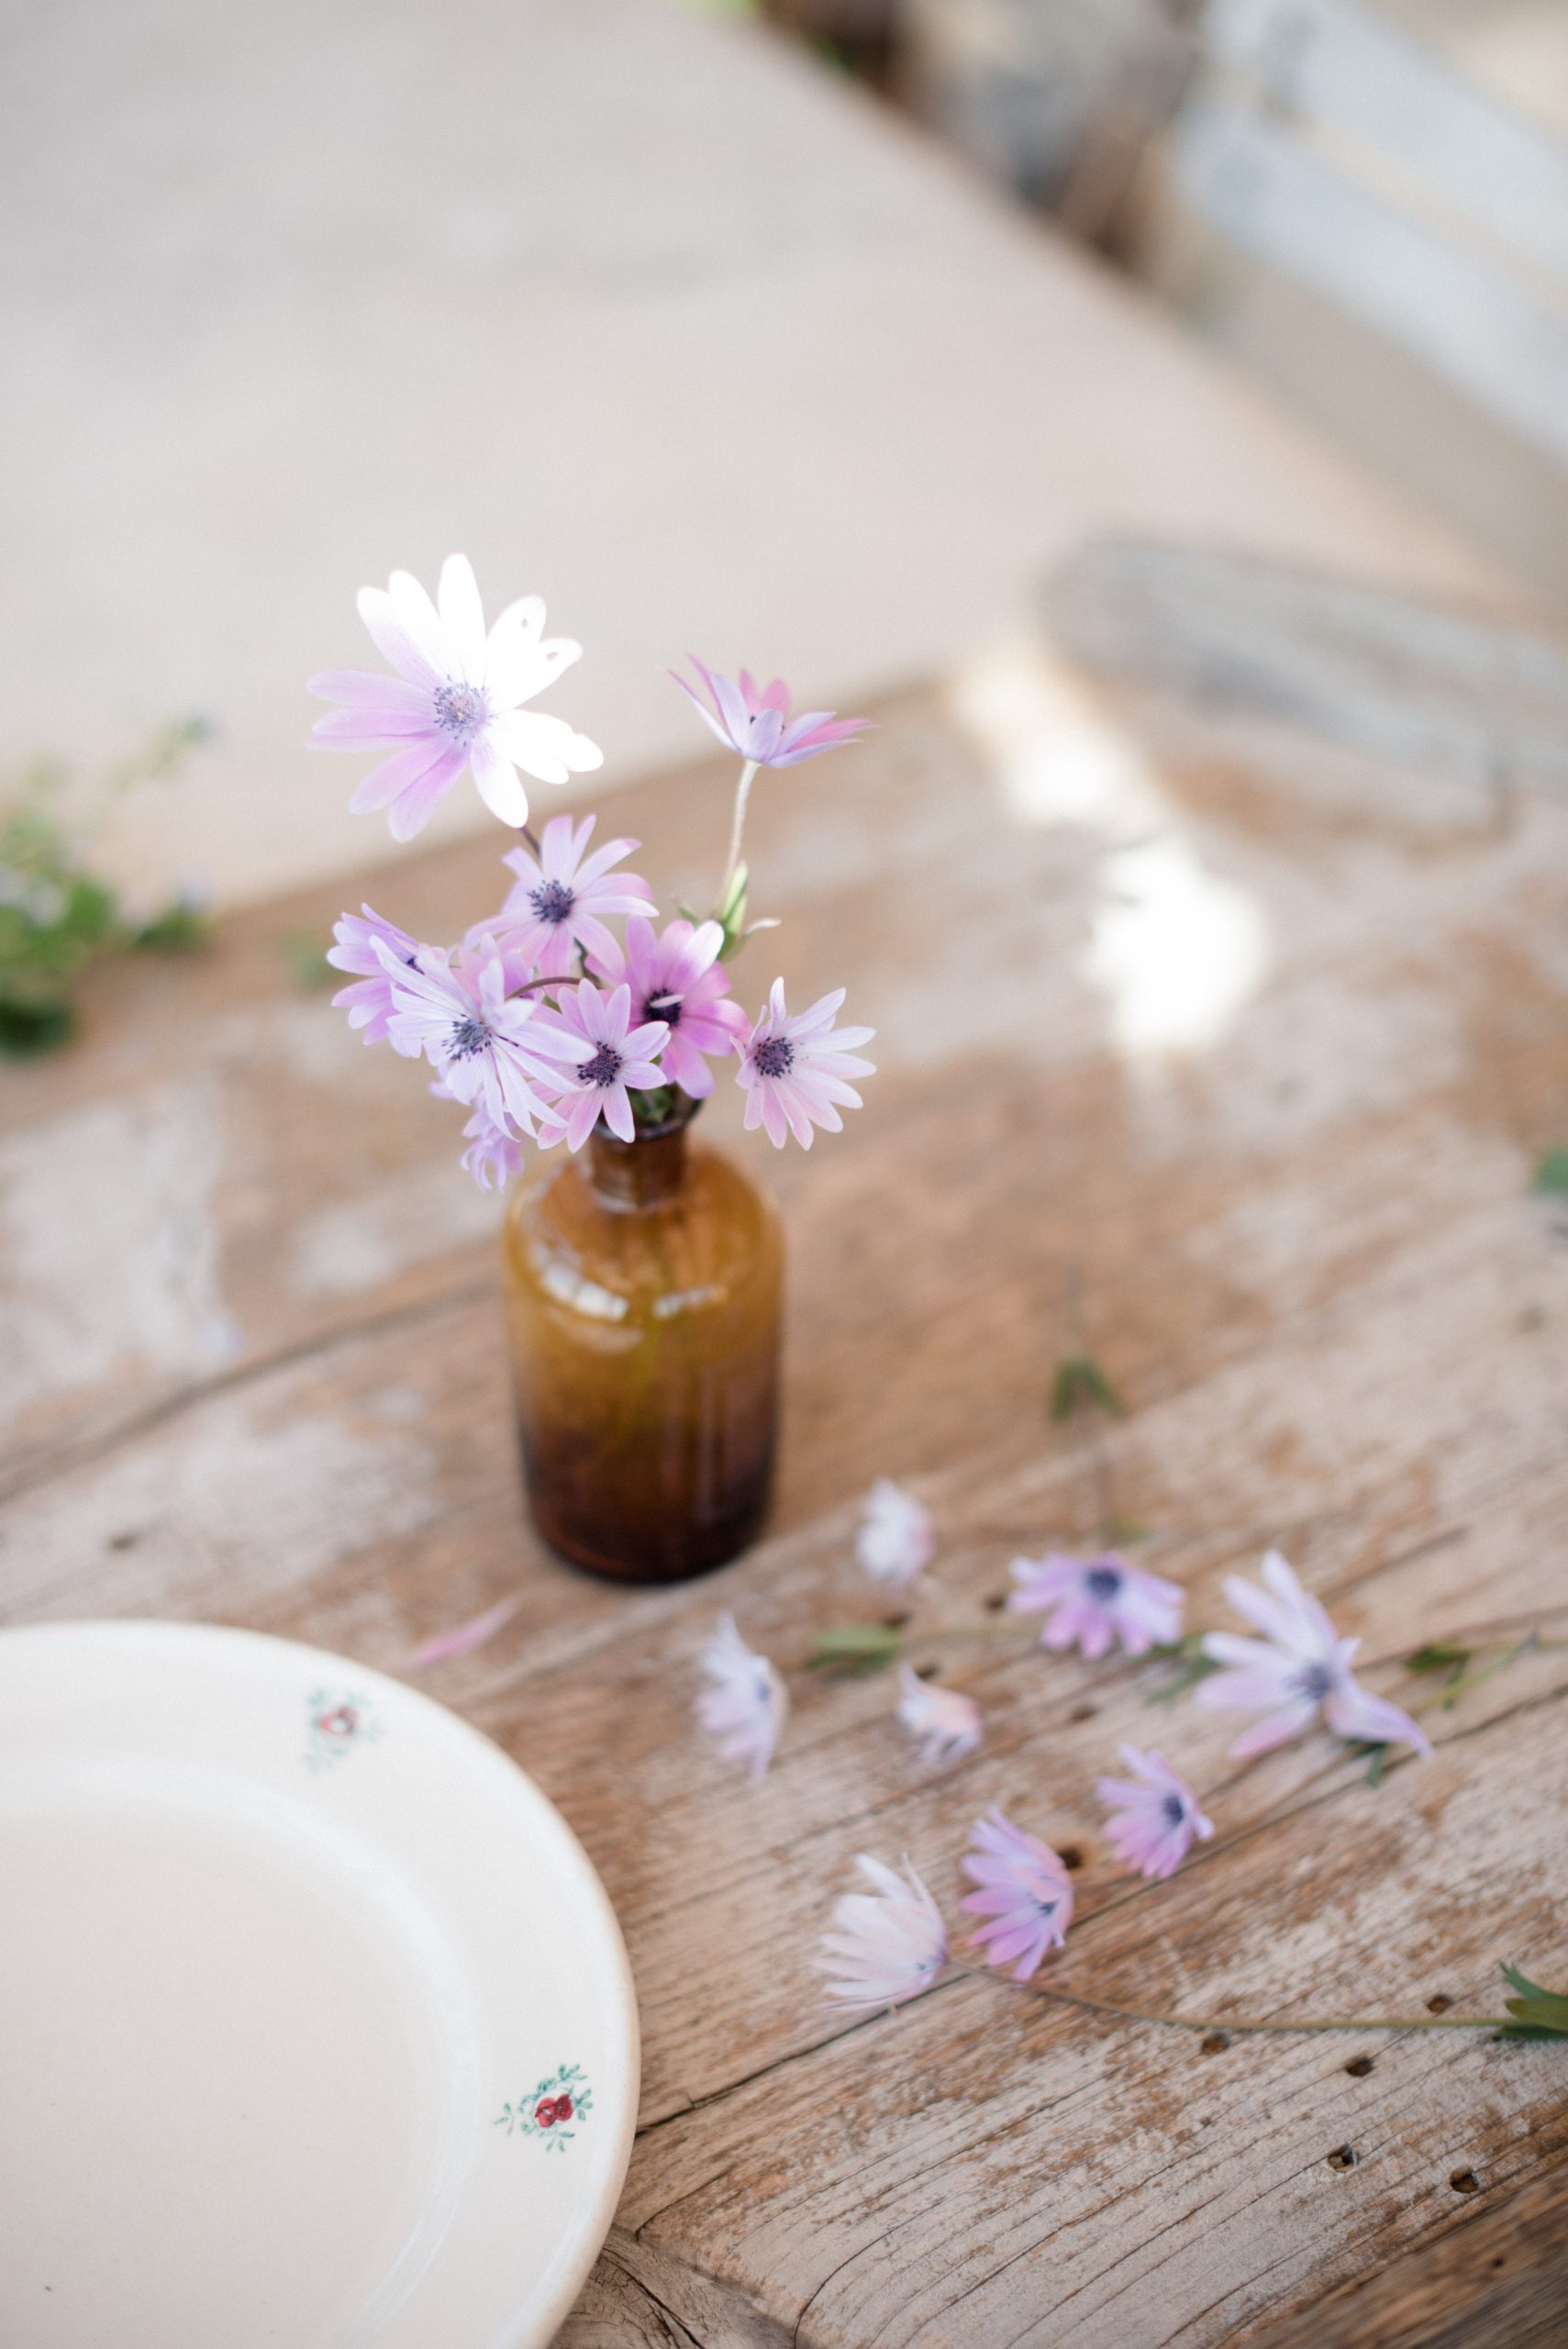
x: 643, y: 1289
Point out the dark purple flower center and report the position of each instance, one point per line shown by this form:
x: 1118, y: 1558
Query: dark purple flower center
x: 469, y: 1035
x: 663, y: 1007
x: 552, y: 900
x: 461, y: 711
x: 1314, y: 1680
x: 774, y: 1056
x: 603, y: 1069
x: 1102, y: 1583
x: 1175, y: 1809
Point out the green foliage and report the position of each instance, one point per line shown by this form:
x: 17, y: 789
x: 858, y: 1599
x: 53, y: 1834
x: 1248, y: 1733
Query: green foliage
x: 57, y: 916
x: 1536, y: 2013
x: 307, y: 958
x: 1551, y: 1173
x: 1080, y: 1380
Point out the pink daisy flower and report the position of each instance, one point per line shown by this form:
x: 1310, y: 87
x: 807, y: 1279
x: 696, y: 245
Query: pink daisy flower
x: 948, y: 1725
x: 1299, y: 1668
x: 1153, y: 1816
x: 600, y: 1055
x: 485, y: 1050
x: 493, y: 1154
x: 756, y: 724
x: 676, y: 976
x: 793, y: 1070
x: 890, y: 1943
x: 369, y: 1001
x: 897, y: 1536
x: 560, y: 901
x: 747, y: 1706
x: 1024, y: 1895
x: 454, y: 702
x: 1093, y: 1601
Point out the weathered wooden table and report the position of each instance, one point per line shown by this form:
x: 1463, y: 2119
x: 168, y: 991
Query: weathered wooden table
x: 1218, y: 1051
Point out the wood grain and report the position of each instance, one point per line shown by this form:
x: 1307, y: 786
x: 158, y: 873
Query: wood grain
x: 1216, y: 1052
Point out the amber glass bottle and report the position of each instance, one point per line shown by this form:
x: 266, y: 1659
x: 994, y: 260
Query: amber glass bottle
x: 643, y: 1286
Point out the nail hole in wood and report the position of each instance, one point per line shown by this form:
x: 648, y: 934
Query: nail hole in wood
x: 124, y: 1541
x: 1214, y: 2043
x: 1343, y: 2157
x: 1083, y: 1712
x: 1071, y: 1856
x: 1359, y: 2066
x: 1464, y: 2181
x: 895, y: 1622
x: 996, y: 1603
x: 1440, y: 2005
x: 925, y: 1672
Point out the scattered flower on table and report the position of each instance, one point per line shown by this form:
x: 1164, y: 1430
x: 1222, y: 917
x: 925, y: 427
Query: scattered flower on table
x: 455, y: 702
x: 754, y: 721
x: 1024, y: 1895
x: 464, y: 1638
x: 1153, y: 1817
x: 747, y: 1705
x: 793, y: 1070
x: 1095, y: 1601
x: 559, y: 901
x: 889, y: 1943
x: 602, y: 1054
x: 675, y: 975
x: 897, y: 1535
x: 368, y: 1001
x: 1300, y: 1666
x: 485, y: 1046
x: 948, y: 1724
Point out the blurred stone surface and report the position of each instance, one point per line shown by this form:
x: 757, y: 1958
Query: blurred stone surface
x: 645, y: 309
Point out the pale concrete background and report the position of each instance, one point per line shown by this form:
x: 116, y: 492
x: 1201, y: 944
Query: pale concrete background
x: 645, y: 311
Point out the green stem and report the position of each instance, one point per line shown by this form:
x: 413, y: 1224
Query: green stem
x: 1239, y: 2023
x: 737, y: 828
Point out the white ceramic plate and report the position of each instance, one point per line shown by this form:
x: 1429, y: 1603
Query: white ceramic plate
x: 315, y: 2026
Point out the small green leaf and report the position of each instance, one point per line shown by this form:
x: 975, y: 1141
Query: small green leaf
x: 304, y: 952
x: 1437, y: 1656
x: 29, y: 1027
x: 1191, y: 1666
x: 855, y: 1648
x: 1551, y: 1173
x: 731, y: 914
x: 1080, y: 1379
x: 179, y: 928
x: 1376, y: 1764
x: 1537, y: 2013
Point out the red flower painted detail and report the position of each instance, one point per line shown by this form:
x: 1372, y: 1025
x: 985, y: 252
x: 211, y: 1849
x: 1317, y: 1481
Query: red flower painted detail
x: 563, y: 2097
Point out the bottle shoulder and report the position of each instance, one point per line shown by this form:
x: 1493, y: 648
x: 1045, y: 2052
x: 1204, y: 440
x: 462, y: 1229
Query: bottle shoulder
x: 718, y: 1232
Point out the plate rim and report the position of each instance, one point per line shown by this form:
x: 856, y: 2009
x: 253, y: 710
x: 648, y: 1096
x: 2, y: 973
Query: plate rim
x: 197, y: 1634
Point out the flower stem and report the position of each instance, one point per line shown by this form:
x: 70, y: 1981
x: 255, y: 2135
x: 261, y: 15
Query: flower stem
x: 737, y: 828
x: 1239, y: 2023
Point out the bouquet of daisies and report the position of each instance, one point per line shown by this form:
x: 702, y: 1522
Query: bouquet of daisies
x: 543, y: 1022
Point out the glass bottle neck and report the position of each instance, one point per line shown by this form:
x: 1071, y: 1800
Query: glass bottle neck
x: 642, y: 1174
